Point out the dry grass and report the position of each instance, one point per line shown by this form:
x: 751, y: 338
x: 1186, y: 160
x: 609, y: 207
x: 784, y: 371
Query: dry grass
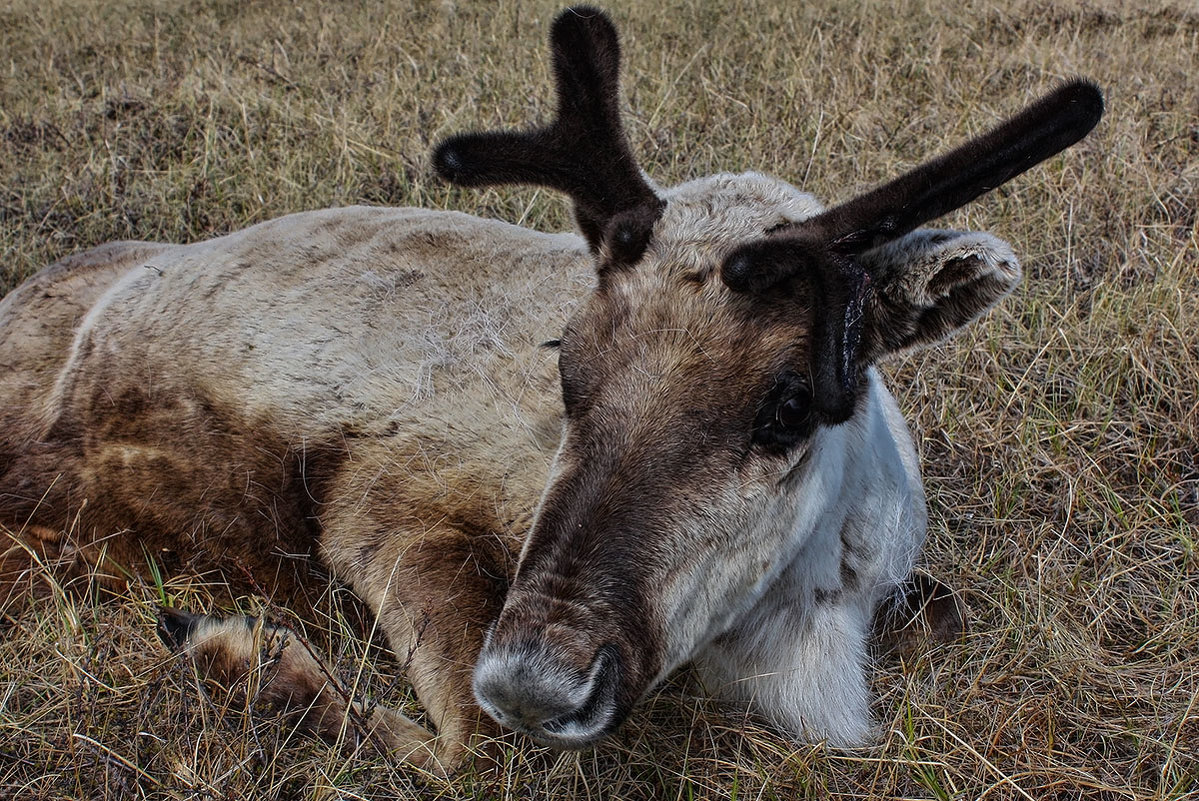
x: 1060, y: 438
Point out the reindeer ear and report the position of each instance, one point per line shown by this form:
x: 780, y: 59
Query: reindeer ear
x: 928, y: 284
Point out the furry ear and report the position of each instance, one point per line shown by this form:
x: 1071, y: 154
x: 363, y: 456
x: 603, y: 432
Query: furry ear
x: 928, y: 284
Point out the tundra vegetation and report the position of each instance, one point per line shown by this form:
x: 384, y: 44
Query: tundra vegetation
x: 1060, y: 436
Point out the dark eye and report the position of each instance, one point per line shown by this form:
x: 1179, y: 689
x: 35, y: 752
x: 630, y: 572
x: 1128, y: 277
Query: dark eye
x: 784, y: 418
x: 794, y: 412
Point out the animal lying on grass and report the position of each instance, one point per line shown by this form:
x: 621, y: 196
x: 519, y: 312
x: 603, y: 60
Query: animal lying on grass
x: 555, y: 467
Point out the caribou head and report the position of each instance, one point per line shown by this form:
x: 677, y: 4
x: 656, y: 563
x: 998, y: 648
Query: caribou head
x: 711, y: 380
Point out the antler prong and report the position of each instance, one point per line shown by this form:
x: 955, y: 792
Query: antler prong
x: 583, y: 152
x: 932, y: 190
x: 824, y: 248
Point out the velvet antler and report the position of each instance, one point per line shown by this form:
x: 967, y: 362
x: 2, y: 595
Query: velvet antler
x: 583, y: 152
x: 825, y: 248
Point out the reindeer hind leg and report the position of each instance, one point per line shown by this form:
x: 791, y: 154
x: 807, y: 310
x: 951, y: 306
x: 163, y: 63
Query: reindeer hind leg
x: 262, y: 666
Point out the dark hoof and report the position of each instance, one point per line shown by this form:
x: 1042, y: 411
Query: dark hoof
x: 928, y: 611
x: 175, y: 626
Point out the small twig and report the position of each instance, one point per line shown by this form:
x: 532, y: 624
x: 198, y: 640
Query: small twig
x: 269, y: 70
x: 115, y: 757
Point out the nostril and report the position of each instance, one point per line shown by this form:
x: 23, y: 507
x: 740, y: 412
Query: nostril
x: 593, y: 716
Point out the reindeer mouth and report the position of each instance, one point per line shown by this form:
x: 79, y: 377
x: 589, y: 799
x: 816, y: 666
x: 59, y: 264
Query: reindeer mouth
x: 529, y: 691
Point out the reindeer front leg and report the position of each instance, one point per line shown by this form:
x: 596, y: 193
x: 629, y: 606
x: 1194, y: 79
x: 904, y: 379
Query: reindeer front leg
x: 434, y: 594
x: 258, y: 664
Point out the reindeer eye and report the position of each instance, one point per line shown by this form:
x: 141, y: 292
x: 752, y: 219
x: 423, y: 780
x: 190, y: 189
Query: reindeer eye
x: 784, y: 417
x: 793, y: 412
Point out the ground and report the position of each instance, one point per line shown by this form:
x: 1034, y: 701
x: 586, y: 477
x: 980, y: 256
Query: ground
x: 1060, y: 436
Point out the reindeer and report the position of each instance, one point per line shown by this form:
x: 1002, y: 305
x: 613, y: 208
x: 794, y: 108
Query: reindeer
x: 555, y: 467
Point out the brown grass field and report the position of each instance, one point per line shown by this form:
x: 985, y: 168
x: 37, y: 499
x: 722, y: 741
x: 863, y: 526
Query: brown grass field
x: 1060, y: 436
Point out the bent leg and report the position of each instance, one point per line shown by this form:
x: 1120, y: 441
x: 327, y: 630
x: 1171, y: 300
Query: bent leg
x: 923, y: 611
x: 434, y: 595
x: 255, y: 663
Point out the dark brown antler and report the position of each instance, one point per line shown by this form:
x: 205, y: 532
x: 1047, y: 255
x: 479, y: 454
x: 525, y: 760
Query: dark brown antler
x: 825, y: 248
x: 583, y: 152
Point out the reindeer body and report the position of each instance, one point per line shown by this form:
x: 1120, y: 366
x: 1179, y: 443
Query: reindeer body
x: 369, y: 384
x: 703, y: 465
x: 309, y: 341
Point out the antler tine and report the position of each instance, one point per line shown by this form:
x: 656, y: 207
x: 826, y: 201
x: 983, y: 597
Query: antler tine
x: 1047, y: 127
x: 824, y: 248
x: 931, y: 190
x: 583, y: 152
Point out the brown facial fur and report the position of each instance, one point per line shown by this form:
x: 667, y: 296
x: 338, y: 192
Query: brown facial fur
x: 663, y: 372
